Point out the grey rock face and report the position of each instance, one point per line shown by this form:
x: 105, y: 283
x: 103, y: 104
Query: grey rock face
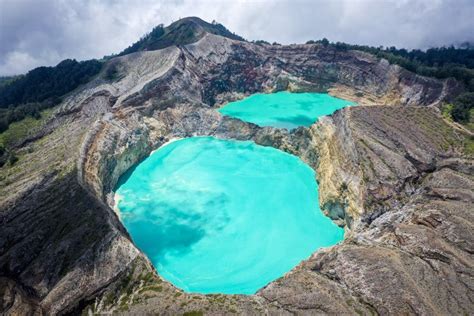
x: 407, y: 250
x: 396, y: 175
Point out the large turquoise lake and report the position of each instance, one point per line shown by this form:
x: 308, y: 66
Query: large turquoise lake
x: 222, y: 216
x: 284, y: 109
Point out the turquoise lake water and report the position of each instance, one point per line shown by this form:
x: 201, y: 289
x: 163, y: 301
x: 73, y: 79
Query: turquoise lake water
x: 220, y: 216
x: 284, y: 109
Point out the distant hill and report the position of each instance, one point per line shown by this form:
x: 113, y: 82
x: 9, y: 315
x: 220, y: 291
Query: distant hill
x: 43, y: 87
x: 181, y: 32
x: 4, y: 80
x: 437, y: 62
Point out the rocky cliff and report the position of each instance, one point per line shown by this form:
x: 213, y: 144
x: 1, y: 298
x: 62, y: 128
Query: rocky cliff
x: 395, y: 174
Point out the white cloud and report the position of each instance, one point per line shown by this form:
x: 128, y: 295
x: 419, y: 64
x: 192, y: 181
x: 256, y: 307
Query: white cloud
x: 17, y: 62
x: 43, y: 32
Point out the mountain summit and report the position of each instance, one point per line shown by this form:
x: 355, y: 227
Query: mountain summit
x: 394, y: 170
x: 184, y: 31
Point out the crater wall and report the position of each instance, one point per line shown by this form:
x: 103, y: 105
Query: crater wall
x: 398, y: 177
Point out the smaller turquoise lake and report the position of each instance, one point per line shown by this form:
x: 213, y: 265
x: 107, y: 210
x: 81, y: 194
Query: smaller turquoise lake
x: 284, y: 109
x: 223, y: 216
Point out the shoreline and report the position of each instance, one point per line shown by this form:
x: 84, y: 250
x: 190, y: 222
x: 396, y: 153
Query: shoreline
x: 171, y: 140
x: 118, y: 197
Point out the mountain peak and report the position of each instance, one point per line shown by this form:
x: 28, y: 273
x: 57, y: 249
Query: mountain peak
x: 182, y: 32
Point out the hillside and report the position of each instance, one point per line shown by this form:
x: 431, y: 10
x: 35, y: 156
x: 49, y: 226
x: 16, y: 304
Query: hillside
x: 181, y: 32
x: 393, y: 171
x: 42, y: 88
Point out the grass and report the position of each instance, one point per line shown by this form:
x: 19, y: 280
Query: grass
x: 470, y: 125
x: 446, y: 110
x: 468, y: 141
x: 154, y: 288
x: 194, y: 313
x: 24, y: 128
x: 469, y: 145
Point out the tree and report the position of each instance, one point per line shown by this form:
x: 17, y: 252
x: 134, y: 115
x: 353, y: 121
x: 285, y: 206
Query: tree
x: 3, y: 124
x: 42, y: 88
x: 12, y: 159
x: 462, y: 106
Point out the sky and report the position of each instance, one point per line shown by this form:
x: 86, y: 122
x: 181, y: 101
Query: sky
x: 43, y: 32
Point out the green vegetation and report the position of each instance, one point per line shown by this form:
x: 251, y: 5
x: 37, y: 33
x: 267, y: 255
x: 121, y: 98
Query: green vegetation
x: 42, y: 88
x: 155, y: 288
x: 21, y: 129
x: 112, y: 72
x: 28, y: 111
x: 18, y: 131
x: 462, y: 107
x: 194, y: 313
x: 446, y: 111
x: 12, y: 159
x: 469, y: 146
x: 43, y: 83
x: 261, y: 42
x: 461, y: 110
x: 182, y: 32
x: 441, y: 62
x: 4, y: 80
x: 145, y: 41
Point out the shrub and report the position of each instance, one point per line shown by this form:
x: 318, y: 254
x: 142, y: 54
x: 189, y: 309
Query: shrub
x: 12, y: 159
x: 462, y: 106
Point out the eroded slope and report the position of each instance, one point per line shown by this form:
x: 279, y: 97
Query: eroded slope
x: 398, y: 177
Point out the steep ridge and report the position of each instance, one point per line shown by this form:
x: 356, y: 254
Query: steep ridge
x: 401, y: 178
x: 182, y: 32
x: 397, y: 176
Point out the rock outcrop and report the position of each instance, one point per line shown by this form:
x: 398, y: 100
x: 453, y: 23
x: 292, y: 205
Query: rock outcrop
x: 401, y: 180
x: 396, y: 175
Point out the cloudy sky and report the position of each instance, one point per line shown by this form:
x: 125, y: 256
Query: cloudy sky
x: 43, y: 32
